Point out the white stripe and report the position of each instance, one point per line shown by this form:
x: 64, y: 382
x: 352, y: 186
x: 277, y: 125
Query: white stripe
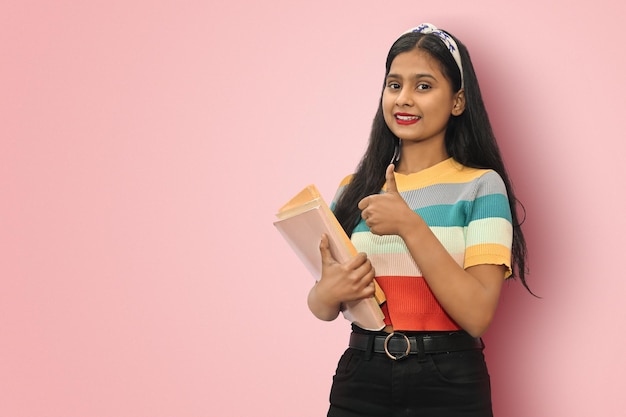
x: 494, y: 230
x: 390, y: 256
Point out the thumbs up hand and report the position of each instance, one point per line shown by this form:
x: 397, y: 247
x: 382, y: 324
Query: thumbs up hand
x: 392, y: 187
x: 387, y: 213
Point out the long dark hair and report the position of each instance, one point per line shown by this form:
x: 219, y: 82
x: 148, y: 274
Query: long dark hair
x: 469, y: 140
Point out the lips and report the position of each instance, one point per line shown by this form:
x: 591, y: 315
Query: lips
x: 406, y: 118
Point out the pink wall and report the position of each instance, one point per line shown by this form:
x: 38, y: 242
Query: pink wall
x: 145, y: 145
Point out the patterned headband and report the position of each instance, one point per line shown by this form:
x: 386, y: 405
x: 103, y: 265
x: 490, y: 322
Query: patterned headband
x: 427, y: 28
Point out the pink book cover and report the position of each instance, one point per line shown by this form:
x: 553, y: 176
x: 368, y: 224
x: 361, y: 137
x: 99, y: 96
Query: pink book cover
x: 302, y: 221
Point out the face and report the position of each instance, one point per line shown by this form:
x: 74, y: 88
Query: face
x: 418, y: 99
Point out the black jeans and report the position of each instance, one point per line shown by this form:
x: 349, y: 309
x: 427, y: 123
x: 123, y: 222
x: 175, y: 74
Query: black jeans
x: 453, y: 384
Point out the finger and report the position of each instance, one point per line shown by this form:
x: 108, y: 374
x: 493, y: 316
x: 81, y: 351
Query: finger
x: 357, y: 261
x: 392, y: 187
x: 374, y: 230
x: 363, y: 203
x: 370, y: 290
x: 327, y: 257
x: 364, y: 268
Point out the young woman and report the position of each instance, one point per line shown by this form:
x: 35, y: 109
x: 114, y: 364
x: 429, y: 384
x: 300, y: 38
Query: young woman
x: 433, y: 214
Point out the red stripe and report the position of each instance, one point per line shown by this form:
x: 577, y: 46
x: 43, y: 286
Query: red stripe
x: 412, y: 306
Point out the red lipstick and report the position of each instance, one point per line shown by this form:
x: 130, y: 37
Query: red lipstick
x: 406, y: 118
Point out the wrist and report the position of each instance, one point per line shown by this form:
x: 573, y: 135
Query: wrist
x: 324, y: 297
x: 412, y: 227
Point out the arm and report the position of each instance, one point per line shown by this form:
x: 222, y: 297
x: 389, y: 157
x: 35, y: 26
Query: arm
x: 352, y: 280
x: 470, y: 296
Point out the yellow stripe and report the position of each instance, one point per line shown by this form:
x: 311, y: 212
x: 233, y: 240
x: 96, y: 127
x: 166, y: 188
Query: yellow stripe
x: 346, y: 180
x: 448, y: 171
x: 491, y: 254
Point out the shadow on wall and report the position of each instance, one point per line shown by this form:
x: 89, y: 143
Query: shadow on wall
x: 508, y: 354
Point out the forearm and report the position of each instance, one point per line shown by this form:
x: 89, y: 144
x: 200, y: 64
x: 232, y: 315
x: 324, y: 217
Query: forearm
x: 321, y: 308
x: 469, y: 296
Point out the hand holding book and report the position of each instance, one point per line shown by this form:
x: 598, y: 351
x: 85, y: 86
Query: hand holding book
x: 342, y: 282
x: 302, y: 222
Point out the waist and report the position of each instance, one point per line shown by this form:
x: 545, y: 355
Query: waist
x: 398, y: 345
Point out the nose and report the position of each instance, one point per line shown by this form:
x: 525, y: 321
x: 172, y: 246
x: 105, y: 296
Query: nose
x: 404, y: 98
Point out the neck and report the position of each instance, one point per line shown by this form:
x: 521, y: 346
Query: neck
x: 417, y: 156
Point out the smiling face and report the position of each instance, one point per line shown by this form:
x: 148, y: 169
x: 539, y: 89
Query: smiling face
x: 418, y: 99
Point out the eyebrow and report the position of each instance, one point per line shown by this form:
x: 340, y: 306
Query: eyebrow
x: 415, y: 76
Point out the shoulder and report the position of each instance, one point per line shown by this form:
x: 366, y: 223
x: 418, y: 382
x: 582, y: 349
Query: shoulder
x: 490, y: 182
x: 485, y: 181
x: 346, y: 180
x: 340, y: 189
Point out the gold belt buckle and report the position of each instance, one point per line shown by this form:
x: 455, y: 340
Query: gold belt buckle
x: 402, y: 355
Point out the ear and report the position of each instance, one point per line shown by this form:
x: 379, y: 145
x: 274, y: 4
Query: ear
x: 459, y: 103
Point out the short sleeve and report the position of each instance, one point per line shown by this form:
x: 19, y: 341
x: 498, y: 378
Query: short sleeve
x: 340, y: 189
x: 489, y: 230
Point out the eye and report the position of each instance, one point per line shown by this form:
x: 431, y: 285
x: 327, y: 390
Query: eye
x: 423, y: 86
x: 393, y: 85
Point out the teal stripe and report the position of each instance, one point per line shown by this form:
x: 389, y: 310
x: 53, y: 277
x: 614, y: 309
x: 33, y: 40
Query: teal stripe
x: 492, y: 205
x: 361, y: 227
x: 461, y: 213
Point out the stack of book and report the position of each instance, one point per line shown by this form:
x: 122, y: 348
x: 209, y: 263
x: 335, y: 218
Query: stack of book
x: 302, y: 221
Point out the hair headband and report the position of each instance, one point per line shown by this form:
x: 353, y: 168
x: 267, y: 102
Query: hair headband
x: 427, y: 28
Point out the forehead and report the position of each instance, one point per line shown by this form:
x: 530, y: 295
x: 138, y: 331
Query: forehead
x: 415, y: 61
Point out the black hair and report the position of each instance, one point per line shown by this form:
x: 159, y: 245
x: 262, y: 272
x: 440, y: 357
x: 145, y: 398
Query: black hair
x: 469, y: 139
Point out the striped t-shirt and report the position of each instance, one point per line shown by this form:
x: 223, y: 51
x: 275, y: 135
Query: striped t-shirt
x: 467, y: 209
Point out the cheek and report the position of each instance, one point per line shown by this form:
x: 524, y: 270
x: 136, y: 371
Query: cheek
x: 388, y: 116
x: 388, y: 104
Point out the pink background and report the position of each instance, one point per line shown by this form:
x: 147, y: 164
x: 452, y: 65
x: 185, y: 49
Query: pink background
x: 145, y: 146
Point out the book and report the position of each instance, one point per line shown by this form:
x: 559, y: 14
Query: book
x: 302, y: 221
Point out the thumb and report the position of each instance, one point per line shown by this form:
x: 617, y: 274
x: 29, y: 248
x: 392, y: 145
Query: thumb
x: 392, y: 187
x: 327, y: 256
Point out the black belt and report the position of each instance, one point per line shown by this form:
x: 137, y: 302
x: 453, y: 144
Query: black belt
x: 398, y: 345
